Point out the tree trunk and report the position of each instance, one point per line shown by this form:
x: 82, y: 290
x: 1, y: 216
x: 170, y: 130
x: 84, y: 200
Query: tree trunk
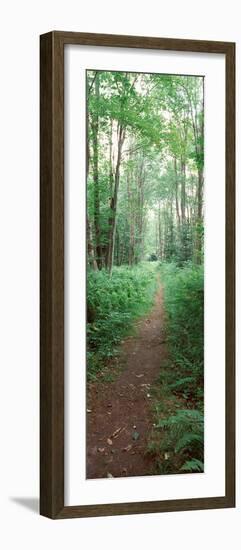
x: 113, y: 202
x: 111, y: 176
x: 160, y: 229
x: 117, y: 255
x: 199, y: 220
x: 131, y: 222
x: 183, y: 191
x: 176, y: 192
x: 140, y: 204
x: 95, y: 130
x: 90, y: 246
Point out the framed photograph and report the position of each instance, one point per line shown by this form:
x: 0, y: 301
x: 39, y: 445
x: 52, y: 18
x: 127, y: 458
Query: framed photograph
x: 137, y: 392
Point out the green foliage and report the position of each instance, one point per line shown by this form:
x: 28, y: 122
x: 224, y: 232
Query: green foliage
x: 193, y: 465
x: 152, y: 258
x: 145, y: 160
x: 185, y: 246
x: 114, y: 302
x: 180, y: 435
x: 154, y: 193
x: 184, y: 306
x: 183, y: 435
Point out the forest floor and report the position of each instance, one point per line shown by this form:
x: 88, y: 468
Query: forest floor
x: 120, y: 413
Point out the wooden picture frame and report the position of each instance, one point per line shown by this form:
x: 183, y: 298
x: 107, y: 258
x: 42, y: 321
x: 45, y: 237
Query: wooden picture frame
x: 52, y: 274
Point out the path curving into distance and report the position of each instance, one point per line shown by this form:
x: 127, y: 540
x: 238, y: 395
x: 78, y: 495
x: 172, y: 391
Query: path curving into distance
x: 119, y: 414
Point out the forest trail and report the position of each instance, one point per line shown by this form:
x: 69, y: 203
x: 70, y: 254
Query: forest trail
x: 119, y: 414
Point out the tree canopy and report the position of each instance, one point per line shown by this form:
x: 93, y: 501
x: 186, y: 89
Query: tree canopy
x: 145, y: 168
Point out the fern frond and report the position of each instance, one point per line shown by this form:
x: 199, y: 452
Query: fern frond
x: 193, y: 465
x: 187, y: 441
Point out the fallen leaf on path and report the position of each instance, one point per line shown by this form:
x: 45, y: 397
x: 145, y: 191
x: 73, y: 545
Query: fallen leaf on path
x: 101, y: 449
x: 117, y: 432
x: 128, y: 448
x: 88, y: 410
x: 109, y: 441
x: 109, y: 475
x: 139, y: 375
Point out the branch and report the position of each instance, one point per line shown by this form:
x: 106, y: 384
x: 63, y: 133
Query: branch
x: 92, y: 83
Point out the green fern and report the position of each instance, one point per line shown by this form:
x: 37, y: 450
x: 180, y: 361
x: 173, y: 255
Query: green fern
x: 182, y: 417
x: 114, y: 303
x: 179, y: 438
x: 182, y: 383
x: 193, y: 465
x: 188, y: 441
x: 183, y: 434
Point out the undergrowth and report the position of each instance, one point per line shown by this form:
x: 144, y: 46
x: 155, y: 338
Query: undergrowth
x: 113, y: 303
x: 177, y: 441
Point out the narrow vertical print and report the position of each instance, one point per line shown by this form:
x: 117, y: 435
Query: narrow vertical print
x: 145, y: 276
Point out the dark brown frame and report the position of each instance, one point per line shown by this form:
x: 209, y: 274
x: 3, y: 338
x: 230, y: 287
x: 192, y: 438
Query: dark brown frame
x: 52, y: 274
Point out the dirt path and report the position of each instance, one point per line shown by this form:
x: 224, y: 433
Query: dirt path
x: 119, y: 418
